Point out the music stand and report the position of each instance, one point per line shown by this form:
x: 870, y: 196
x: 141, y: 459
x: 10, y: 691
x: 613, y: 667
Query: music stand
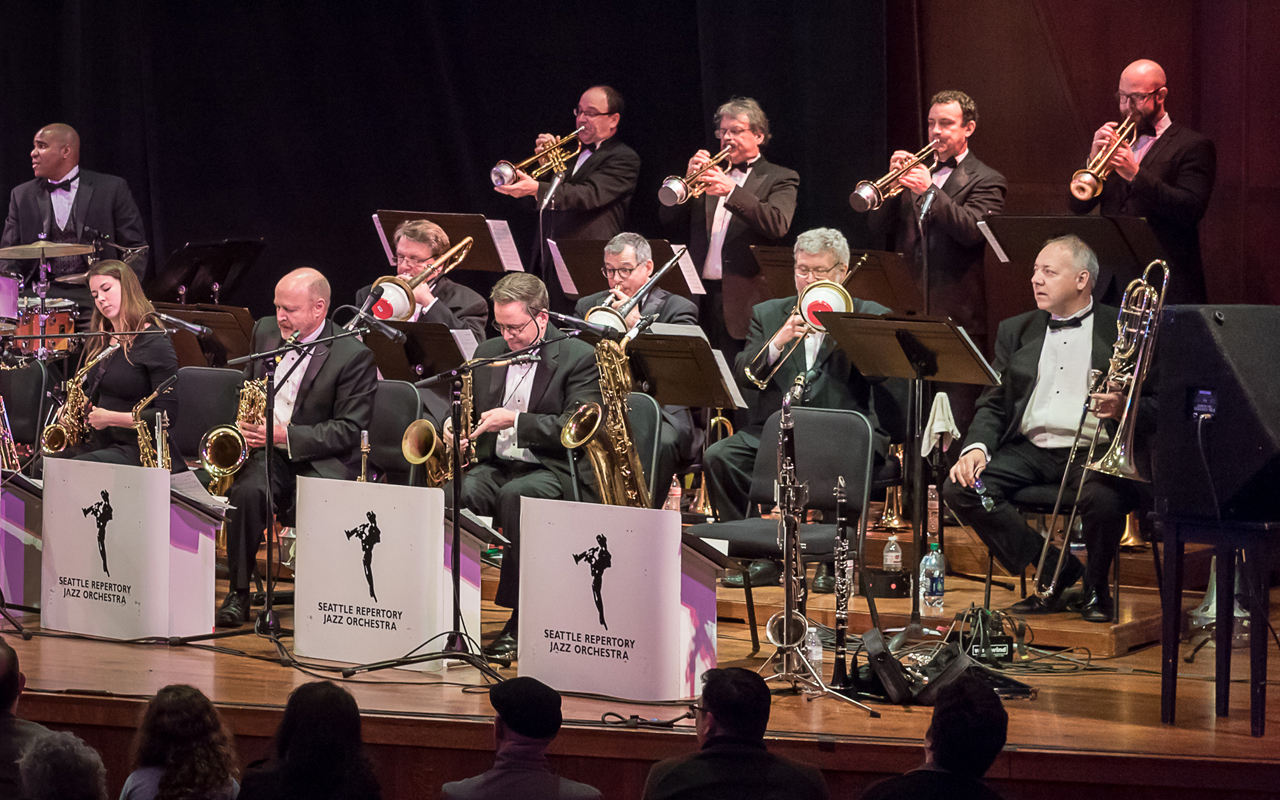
x: 919, y: 349
x: 232, y: 328
x: 493, y: 249
x: 199, y: 268
x: 429, y: 348
x: 583, y: 259
x: 877, y: 275
x: 677, y: 367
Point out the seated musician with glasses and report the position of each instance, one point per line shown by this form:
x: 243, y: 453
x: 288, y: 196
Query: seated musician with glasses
x: 418, y: 243
x: 1024, y: 427
x: 830, y: 381
x: 628, y: 265
x: 521, y: 409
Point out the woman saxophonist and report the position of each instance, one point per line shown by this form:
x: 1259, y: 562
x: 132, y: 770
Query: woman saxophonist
x: 133, y: 371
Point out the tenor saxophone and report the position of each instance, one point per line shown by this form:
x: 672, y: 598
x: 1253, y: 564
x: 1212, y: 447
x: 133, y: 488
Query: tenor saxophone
x: 69, y: 427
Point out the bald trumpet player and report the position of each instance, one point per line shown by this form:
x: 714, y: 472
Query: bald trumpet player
x: 628, y: 265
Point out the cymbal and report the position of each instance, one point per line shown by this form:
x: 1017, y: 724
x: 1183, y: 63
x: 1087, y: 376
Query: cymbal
x: 79, y: 279
x: 42, y: 250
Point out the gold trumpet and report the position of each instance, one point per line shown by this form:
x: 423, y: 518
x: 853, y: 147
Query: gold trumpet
x: 554, y: 158
x: 676, y: 190
x: 869, y: 195
x: 817, y: 296
x: 1086, y: 183
x: 397, y: 302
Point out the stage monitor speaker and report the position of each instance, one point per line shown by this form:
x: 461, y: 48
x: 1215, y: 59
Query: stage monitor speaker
x: 1219, y: 363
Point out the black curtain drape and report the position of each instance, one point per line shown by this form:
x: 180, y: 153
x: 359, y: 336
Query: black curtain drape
x: 296, y: 121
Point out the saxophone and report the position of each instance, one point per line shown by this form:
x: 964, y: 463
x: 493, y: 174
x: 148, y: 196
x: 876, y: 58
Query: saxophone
x: 421, y: 444
x: 8, y: 451
x: 610, y: 449
x: 73, y: 418
x: 223, y: 449
x: 153, y: 452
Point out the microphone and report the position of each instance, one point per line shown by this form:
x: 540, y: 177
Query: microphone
x: 602, y: 331
x: 551, y: 192
x: 374, y: 296
x: 373, y: 323
x: 523, y: 358
x: 164, y: 387
x: 928, y: 201
x: 190, y: 327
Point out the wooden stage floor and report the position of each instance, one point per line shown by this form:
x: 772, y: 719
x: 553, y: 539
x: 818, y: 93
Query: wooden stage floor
x: 1094, y: 728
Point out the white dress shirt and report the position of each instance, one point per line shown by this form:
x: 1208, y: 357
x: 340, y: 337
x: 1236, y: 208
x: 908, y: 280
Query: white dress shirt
x: 287, y: 392
x: 713, y: 267
x: 515, y: 395
x: 1144, y: 142
x: 812, y: 343
x: 63, y: 199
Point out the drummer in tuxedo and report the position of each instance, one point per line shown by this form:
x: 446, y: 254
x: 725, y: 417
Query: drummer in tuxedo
x: 628, y: 265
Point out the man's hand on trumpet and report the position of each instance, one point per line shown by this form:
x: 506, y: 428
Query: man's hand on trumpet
x: 523, y: 187
x: 917, y: 179
x: 1124, y: 162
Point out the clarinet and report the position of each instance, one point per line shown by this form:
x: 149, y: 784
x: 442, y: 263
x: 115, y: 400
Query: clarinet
x: 840, y: 670
x: 791, y: 501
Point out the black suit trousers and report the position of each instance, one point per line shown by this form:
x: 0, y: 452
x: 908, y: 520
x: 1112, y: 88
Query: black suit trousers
x: 729, y: 464
x: 1104, y: 503
x: 494, y: 488
x: 250, y: 514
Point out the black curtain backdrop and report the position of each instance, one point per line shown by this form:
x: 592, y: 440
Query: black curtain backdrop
x: 296, y: 121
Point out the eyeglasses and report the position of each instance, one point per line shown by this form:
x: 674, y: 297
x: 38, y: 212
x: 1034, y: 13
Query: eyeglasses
x: 1135, y: 98
x: 589, y: 113
x: 621, y: 272
x: 816, y: 272
x: 694, y: 708
x: 514, y: 330
x: 721, y: 133
x: 415, y: 262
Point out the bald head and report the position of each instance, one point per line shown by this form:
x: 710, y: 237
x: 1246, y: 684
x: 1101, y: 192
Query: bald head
x: 302, y: 302
x: 55, y: 151
x: 1143, y: 92
x: 1144, y: 72
x: 309, y: 279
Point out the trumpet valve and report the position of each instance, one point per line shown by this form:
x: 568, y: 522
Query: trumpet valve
x: 866, y: 197
x: 504, y: 174
x: 1085, y: 185
x: 674, y: 191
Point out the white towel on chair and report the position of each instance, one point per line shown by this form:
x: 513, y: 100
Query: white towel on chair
x: 941, y: 425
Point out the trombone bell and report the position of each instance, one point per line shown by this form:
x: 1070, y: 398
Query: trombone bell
x: 818, y: 296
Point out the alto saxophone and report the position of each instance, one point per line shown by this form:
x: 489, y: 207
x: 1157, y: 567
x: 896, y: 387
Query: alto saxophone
x: 153, y: 452
x: 68, y: 428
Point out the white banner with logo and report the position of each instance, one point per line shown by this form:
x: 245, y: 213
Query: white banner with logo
x: 610, y: 604
x: 372, y: 575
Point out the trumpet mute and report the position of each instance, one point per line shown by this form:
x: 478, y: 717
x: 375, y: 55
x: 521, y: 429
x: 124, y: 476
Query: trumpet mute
x: 395, y: 303
x: 1085, y: 185
x: 865, y: 197
x: 504, y: 174
x: 673, y: 192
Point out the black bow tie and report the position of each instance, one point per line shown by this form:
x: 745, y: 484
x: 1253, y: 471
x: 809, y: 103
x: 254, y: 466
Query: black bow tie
x: 65, y: 185
x: 590, y: 148
x: 741, y: 167
x: 1070, y: 322
x: 950, y: 163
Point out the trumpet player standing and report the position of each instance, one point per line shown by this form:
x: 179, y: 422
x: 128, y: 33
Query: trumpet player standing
x: 746, y: 200
x: 1024, y: 427
x: 1166, y: 175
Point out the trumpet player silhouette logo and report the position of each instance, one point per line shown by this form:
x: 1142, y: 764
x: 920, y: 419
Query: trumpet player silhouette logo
x: 369, y: 534
x: 101, y: 512
x: 599, y: 559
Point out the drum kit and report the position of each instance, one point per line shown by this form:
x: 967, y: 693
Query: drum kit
x: 43, y: 318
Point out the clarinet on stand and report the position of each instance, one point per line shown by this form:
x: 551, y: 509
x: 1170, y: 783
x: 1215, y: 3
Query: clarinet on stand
x: 844, y: 578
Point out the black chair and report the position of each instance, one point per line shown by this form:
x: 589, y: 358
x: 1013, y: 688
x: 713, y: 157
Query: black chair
x: 26, y: 401
x: 207, y: 397
x: 395, y: 406
x: 645, y: 417
x: 830, y: 443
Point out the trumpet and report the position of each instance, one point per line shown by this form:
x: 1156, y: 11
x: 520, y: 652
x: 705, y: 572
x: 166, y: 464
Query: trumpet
x: 817, y: 296
x: 616, y: 316
x: 868, y: 195
x: 1086, y: 183
x: 397, y: 302
x: 676, y: 190
x: 554, y: 158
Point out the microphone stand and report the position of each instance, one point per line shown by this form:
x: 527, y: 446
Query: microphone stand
x: 457, y: 646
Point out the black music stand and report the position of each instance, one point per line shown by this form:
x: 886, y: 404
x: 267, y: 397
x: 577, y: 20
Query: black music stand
x: 200, y: 269
x: 492, y: 249
x: 919, y: 349
x: 875, y: 275
x: 429, y: 348
x: 584, y: 260
x: 232, y: 328
x: 677, y: 366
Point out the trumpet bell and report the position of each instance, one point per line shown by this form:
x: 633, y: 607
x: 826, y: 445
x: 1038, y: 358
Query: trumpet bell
x: 823, y: 296
x: 419, y: 441
x: 1085, y: 185
x: 504, y: 174
x: 866, y: 197
x: 674, y: 191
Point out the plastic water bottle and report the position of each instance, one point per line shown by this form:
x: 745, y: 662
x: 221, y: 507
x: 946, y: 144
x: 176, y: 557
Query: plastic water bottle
x: 893, y: 555
x: 981, y: 489
x: 813, y: 649
x: 673, y: 496
x: 932, y: 571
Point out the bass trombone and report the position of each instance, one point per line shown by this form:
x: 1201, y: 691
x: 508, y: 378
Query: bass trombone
x: 870, y: 195
x: 397, y: 302
x: 1086, y: 183
x: 676, y: 190
x: 554, y: 158
x: 818, y: 296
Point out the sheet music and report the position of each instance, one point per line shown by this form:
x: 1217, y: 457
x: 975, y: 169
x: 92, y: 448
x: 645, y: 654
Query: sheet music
x: 690, y: 271
x: 466, y: 341
x: 727, y: 375
x: 507, y: 251
x: 382, y: 235
x: 991, y: 239
x: 566, y: 280
x: 188, y: 487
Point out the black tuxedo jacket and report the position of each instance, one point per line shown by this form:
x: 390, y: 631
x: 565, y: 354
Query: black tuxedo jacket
x: 956, y: 246
x: 836, y: 383
x: 335, y: 402
x: 592, y: 203
x: 457, y: 306
x: 760, y: 213
x: 103, y: 202
x: 565, y: 378
x: 1171, y: 189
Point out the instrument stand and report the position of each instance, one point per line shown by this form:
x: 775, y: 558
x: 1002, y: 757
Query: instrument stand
x: 18, y: 627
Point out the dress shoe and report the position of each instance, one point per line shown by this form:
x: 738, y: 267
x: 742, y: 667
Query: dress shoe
x: 764, y: 572
x: 1096, y: 608
x: 1073, y: 599
x: 234, y: 611
x: 1035, y: 604
x: 505, y: 646
x: 824, y: 579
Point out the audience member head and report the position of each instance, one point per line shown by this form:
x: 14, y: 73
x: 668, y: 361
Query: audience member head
x: 183, y: 735
x: 526, y: 706
x: 60, y: 766
x: 318, y: 742
x: 968, y: 728
x: 12, y: 681
x: 302, y: 302
x: 55, y: 151
x: 735, y: 702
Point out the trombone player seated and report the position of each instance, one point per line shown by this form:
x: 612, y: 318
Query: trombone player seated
x: 1023, y: 430
x: 782, y: 349
x: 628, y: 265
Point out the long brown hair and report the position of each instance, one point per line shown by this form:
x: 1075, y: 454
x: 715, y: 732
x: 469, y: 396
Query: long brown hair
x: 183, y: 735
x: 136, y: 310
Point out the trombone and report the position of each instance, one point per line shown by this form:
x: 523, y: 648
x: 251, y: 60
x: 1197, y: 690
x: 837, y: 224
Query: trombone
x: 818, y: 296
x: 868, y: 195
x: 397, y: 301
x: 676, y: 190
x: 1138, y: 324
x: 554, y: 159
x: 1086, y: 183
x: 616, y: 316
